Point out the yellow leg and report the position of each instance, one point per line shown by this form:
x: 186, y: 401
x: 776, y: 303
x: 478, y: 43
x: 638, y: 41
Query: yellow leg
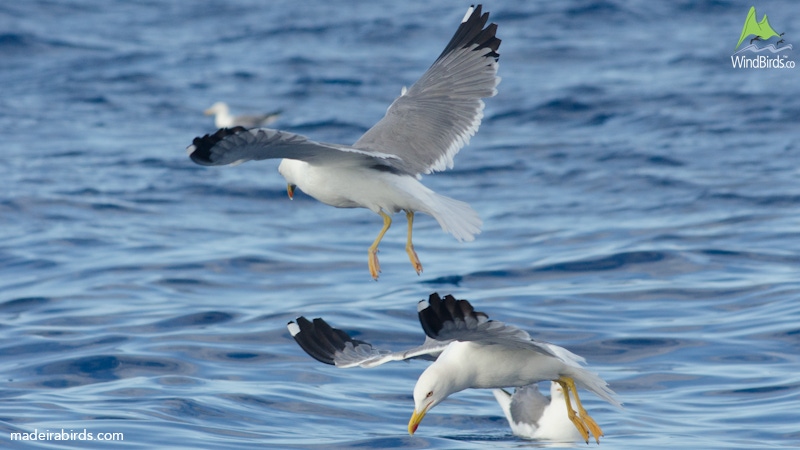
x: 374, y: 266
x: 587, y: 420
x: 573, y: 417
x: 412, y: 255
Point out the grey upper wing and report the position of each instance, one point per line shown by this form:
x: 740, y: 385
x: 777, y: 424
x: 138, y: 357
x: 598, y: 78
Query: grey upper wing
x: 448, y: 319
x: 237, y: 144
x: 430, y: 122
x: 333, y: 346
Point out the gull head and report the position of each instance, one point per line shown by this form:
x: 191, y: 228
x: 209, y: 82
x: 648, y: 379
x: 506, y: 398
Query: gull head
x: 217, y: 108
x: 433, y: 386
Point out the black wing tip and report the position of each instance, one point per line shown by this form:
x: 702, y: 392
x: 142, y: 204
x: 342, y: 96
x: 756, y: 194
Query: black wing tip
x: 472, y: 32
x: 310, y: 336
x: 320, y: 340
x: 487, y: 39
x: 436, y: 311
x: 200, y: 150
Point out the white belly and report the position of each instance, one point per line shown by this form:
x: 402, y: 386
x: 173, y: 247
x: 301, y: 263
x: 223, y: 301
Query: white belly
x: 356, y: 187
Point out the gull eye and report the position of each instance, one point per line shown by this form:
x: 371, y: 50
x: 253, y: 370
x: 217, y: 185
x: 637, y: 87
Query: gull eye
x: 429, y: 394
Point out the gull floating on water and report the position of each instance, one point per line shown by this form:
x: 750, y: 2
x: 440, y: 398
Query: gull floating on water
x: 421, y: 132
x: 224, y: 119
x: 532, y: 415
x: 470, y: 351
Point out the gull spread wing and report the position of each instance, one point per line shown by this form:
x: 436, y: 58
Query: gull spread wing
x: 236, y: 145
x: 447, y: 319
x: 333, y: 346
x: 430, y: 122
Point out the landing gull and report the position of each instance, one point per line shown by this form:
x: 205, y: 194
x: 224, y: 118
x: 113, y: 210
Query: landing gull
x: 469, y: 351
x: 224, y: 119
x: 531, y: 415
x: 421, y: 132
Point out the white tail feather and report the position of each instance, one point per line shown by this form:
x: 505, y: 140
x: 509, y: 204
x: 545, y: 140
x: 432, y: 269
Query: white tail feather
x: 455, y: 217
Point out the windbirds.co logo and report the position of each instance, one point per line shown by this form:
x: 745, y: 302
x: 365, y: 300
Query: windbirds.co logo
x: 761, y: 32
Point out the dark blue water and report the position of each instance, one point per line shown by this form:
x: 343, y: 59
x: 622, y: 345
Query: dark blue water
x: 641, y: 201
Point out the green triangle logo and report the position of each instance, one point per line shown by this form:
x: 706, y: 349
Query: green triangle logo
x: 762, y: 30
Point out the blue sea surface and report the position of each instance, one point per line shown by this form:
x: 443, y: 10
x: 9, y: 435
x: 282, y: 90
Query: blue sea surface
x: 640, y: 199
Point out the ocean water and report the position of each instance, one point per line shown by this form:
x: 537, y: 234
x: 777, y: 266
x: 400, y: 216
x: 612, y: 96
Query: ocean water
x: 640, y: 198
